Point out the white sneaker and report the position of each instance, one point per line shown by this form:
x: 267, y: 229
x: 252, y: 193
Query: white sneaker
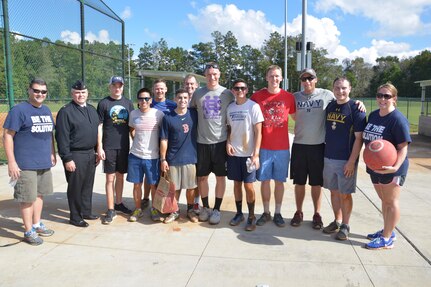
x: 215, y: 217
x: 205, y: 214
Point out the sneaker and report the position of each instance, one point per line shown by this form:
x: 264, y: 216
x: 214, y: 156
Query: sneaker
x: 137, y: 213
x: 192, y: 216
x: 343, y: 233
x: 237, y: 219
x: 197, y: 208
x: 264, y: 218
x: 33, y: 238
x: 122, y: 208
x: 251, y: 224
x: 380, y: 243
x: 215, y: 217
x: 297, y: 219
x: 379, y: 233
x: 110, y: 216
x: 333, y: 227
x: 43, y: 231
x: 205, y: 214
x: 155, y: 215
x: 278, y: 220
x: 145, y: 203
x: 317, y: 221
x: 172, y: 217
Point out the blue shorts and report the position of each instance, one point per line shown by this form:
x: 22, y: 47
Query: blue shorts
x: 274, y: 164
x: 139, y: 167
x: 334, y: 178
x: 237, y: 170
x: 387, y: 179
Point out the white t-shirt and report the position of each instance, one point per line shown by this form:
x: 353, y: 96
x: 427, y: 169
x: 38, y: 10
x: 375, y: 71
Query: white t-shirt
x: 242, y: 119
x: 147, y: 125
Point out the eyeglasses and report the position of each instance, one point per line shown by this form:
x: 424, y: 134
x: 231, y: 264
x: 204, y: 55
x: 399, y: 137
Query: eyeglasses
x: 207, y: 66
x: 307, y: 79
x: 386, y: 96
x: 144, y: 99
x: 239, y: 88
x: 36, y: 91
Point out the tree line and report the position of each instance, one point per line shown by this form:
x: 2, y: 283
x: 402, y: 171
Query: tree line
x: 60, y: 64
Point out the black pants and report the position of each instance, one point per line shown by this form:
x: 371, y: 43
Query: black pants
x: 80, y: 184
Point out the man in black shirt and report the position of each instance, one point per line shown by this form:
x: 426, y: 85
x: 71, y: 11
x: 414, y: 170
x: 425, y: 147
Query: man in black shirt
x: 76, y: 135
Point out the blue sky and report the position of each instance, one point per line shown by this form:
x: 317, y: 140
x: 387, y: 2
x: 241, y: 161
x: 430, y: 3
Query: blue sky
x: 347, y: 29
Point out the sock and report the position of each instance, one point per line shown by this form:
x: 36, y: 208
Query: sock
x: 197, y: 199
x: 217, y: 204
x: 36, y: 225
x: 277, y: 208
x: 250, y: 209
x: 266, y: 207
x: 238, y: 206
x: 205, y: 202
x: 189, y: 206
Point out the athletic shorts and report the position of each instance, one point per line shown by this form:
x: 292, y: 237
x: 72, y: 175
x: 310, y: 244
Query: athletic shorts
x: 139, y: 167
x: 387, y: 179
x: 212, y: 158
x: 33, y: 183
x: 307, y: 161
x: 274, y: 164
x: 334, y: 178
x: 237, y: 170
x: 183, y: 176
x: 115, y: 161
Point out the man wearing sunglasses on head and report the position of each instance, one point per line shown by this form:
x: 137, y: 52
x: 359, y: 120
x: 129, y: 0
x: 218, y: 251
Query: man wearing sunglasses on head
x: 211, y: 103
x: 29, y: 145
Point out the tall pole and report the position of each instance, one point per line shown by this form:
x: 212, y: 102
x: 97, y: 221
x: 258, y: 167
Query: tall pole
x: 130, y: 79
x: 7, y: 51
x: 286, y: 83
x: 304, y: 28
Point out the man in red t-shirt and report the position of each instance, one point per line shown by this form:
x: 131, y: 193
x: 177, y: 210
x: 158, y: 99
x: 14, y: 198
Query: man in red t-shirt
x: 276, y: 105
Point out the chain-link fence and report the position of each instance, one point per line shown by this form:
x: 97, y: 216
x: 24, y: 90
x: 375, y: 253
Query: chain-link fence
x: 42, y: 38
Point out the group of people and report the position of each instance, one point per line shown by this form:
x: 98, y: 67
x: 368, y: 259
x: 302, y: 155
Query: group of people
x: 206, y: 130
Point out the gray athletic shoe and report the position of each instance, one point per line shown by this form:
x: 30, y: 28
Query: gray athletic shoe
x: 215, y: 217
x: 33, y: 239
x: 43, y: 231
x: 205, y: 214
x: 343, y: 233
x: 333, y: 227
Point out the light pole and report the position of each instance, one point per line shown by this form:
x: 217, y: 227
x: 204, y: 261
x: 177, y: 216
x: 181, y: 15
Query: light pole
x: 130, y: 78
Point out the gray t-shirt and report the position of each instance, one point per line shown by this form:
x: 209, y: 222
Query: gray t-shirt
x: 211, y: 106
x: 310, y: 116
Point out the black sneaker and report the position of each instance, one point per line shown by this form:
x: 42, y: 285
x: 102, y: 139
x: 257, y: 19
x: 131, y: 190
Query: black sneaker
x: 110, y: 215
x: 264, y: 218
x: 317, y: 221
x: 297, y: 219
x: 278, y: 220
x: 237, y: 219
x: 122, y: 208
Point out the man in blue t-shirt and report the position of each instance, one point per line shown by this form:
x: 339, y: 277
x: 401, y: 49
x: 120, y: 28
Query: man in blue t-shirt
x: 178, y: 155
x: 29, y: 145
x: 344, y: 126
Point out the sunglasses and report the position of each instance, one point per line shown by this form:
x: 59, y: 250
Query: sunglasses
x: 36, y: 91
x: 214, y: 66
x: 385, y: 96
x: 304, y: 79
x: 239, y: 88
x: 144, y: 99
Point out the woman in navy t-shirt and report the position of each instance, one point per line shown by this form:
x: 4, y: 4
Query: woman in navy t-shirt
x: 390, y: 124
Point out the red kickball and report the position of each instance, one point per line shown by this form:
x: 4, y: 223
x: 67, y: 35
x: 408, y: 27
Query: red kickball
x: 380, y: 153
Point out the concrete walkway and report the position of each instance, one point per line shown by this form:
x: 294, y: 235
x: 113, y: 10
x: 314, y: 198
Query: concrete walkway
x: 187, y: 254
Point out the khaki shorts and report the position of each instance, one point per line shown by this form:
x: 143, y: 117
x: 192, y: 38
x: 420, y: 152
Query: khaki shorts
x: 183, y: 176
x: 33, y: 183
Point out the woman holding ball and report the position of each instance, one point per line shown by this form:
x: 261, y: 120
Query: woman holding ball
x: 390, y: 124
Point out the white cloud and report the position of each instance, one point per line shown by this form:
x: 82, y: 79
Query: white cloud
x: 396, y: 17
x: 70, y: 37
x: 127, y: 13
x: 75, y: 38
x: 251, y: 27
